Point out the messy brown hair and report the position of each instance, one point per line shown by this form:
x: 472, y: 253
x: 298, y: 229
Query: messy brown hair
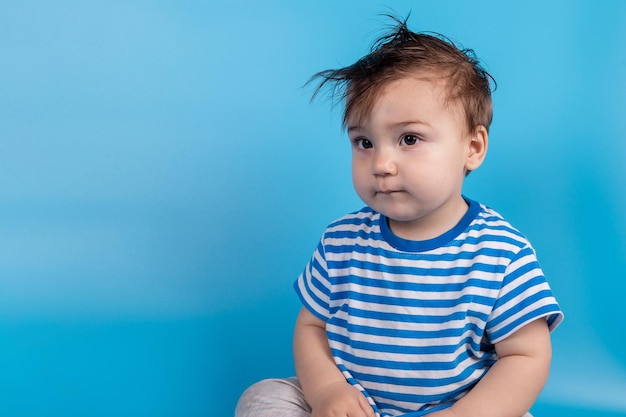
x: 401, y: 53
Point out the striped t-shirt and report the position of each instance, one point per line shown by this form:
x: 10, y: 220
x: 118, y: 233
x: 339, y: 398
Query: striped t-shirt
x: 413, y: 324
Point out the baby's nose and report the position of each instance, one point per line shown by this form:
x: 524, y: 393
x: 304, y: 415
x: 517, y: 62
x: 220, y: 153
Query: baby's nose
x: 384, y: 163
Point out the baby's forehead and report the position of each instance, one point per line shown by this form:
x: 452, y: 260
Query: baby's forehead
x: 361, y: 99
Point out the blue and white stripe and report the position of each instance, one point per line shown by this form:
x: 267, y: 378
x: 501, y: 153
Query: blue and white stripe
x: 412, y: 324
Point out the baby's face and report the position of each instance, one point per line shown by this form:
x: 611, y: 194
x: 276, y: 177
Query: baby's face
x: 409, y: 158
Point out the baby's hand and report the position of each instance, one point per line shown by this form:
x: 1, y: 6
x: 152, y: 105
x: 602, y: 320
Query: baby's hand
x: 340, y: 399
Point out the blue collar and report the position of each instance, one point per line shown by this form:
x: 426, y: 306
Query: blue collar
x: 430, y: 244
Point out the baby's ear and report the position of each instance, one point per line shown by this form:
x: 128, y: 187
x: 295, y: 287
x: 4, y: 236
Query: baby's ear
x: 477, y: 148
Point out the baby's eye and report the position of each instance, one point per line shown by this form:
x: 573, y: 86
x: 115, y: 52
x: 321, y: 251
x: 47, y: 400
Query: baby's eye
x: 363, y: 143
x: 410, y: 140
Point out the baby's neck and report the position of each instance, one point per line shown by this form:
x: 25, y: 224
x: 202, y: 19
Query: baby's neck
x: 432, y: 225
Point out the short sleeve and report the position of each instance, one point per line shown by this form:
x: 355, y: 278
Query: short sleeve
x: 525, y: 296
x: 313, y: 286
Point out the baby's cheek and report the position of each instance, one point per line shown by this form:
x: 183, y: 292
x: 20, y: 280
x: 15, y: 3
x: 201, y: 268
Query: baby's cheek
x: 361, y: 186
x: 364, y: 197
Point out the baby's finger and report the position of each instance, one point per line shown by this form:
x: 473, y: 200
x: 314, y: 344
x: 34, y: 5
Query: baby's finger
x: 366, y: 407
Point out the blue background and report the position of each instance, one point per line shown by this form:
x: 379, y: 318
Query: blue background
x: 164, y: 179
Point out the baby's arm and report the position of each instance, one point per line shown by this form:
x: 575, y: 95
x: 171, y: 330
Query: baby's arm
x: 325, y: 388
x: 513, y: 383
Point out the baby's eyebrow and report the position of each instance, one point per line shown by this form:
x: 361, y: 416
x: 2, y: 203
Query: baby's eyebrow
x: 408, y: 122
x: 391, y: 125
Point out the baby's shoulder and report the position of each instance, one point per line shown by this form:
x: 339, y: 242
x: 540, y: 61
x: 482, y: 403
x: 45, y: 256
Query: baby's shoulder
x: 361, y: 224
x: 490, y: 225
x: 363, y: 218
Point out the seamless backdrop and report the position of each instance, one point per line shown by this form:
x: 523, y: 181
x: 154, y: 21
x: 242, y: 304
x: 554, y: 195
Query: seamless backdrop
x: 164, y: 179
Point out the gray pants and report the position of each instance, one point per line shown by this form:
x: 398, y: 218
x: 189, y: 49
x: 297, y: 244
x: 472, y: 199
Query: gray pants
x: 273, y: 398
x: 277, y: 397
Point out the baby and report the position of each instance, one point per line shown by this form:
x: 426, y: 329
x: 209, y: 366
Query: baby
x: 424, y: 302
